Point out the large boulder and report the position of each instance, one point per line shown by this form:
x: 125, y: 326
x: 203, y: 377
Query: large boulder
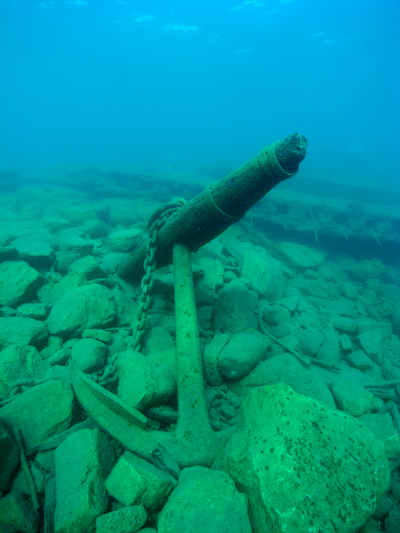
x: 88, y: 306
x: 304, y: 466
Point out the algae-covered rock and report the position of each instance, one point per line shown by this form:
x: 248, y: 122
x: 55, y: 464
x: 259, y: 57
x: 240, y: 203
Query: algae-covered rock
x: 124, y: 240
x: 88, y: 306
x: 82, y: 463
x: 300, y: 256
x: 89, y: 355
x: 354, y: 400
x: 135, y: 481
x: 20, y: 361
x: 369, y: 269
x: 211, y: 281
x: 20, y: 330
x: 17, y: 514
x: 264, y: 272
x: 242, y: 354
x: 40, y: 412
x: 303, y: 466
x: 34, y: 249
x: 285, y: 366
x: 125, y: 520
x: 18, y: 283
x: 88, y: 266
x: 310, y: 340
x: 205, y: 501
x: 234, y: 309
x: 330, y: 348
x: 143, y: 382
x: 381, y: 425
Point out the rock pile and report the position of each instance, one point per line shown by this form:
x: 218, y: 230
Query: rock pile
x: 301, y: 360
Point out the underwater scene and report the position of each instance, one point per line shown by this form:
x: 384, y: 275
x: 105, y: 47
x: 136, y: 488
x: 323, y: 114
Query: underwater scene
x: 199, y: 266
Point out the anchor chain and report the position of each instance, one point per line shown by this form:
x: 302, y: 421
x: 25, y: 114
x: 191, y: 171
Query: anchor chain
x: 155, y: 223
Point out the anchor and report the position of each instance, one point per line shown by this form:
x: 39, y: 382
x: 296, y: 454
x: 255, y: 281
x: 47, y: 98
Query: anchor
x: 193, y: 442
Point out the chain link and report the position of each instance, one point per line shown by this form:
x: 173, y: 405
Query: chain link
x: 156, y: 222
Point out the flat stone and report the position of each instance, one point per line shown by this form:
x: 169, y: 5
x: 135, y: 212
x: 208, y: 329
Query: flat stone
x: 344, y: 323
x: 69, y: 241
x: 365, y: 325
x: 95, y: 229
x: 359, y: 360
x: 50, y: 293
x: 158, y: 339
x: 275, y: 314
x: 300, y: 256
x: 303, y: 466
x: 290, y: 302
x: 55, y: 224
x: 124, y: 240
x: 32, y: 310
x: 18, y: 283
x: 35, y: 250
x: 205, y: 501
x: 98, y: 334
x: 345, y: 343
x: 89, y: 266
x: 126, y: 520
x: 20, y: 330
x: 286, y: 366
x: 40, y: 412
x: 330, y: 348
x: 341, y: 306
x: 369, y: 269
x: 349, y: 290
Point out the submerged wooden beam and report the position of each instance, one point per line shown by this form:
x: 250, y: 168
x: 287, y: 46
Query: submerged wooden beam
x: 220, y: 204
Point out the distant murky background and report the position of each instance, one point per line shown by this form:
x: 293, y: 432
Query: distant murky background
x: 174, y: 86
